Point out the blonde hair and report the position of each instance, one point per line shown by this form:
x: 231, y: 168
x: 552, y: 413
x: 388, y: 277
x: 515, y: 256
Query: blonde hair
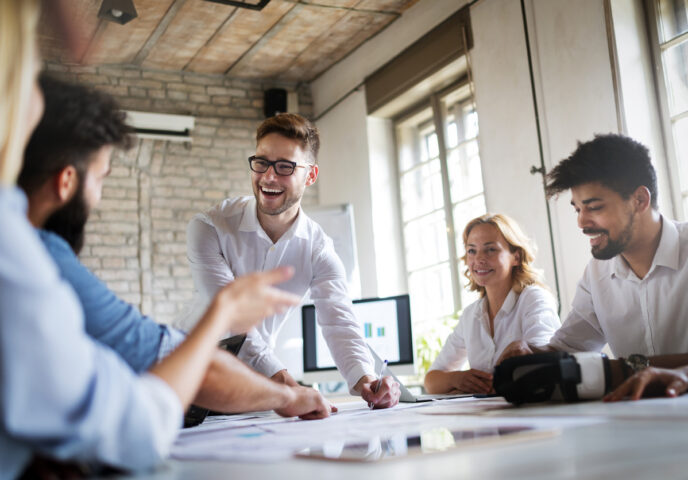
x: 524, y: 273
x: 18, y: 55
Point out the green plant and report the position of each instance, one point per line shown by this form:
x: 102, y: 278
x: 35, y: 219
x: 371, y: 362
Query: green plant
x: 430, y: 337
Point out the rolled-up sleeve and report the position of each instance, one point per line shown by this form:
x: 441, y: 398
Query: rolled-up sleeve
x: 74, y: 399
x: 171, y: 339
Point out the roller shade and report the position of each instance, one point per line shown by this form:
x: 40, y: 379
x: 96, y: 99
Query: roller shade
x: 435, y: 50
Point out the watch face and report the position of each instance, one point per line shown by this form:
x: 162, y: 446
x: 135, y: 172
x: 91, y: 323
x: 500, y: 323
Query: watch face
x: 638, y: 362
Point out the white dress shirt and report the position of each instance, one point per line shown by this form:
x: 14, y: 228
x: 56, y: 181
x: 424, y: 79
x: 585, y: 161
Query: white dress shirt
x: 648, y: 316
x: 227, y: 242
x: 532, y: 316
x: 61, y: 393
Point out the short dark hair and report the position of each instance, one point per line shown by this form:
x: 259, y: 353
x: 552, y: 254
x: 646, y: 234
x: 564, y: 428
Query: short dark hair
x: 296, y: 127
x: 615, y: 161
x: 77, y: 122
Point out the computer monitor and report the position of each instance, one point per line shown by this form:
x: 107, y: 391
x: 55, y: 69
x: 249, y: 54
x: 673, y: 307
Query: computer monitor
x: 385, y: 326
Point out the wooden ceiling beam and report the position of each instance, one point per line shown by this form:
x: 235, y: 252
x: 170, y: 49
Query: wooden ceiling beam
x: 319, y: 40
x: 274, y: 30
x: 220, y: 30
x: 158, y: 32
x: 91, y: 44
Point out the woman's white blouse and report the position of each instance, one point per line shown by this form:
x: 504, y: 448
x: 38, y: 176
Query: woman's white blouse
x: 530, y: 316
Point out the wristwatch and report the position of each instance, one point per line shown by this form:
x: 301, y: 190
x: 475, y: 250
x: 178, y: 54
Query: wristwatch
x: 636, y: 362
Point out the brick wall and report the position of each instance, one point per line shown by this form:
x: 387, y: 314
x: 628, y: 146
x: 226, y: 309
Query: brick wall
x: 136, y: 237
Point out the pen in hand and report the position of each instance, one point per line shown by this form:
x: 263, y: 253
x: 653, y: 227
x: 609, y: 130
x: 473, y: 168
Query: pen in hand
x: 379, y: 381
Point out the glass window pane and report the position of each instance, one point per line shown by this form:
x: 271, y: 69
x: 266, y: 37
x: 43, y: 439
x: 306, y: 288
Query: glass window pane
x: 408, y: 156
x: 471, y: 124
x: 680, y: 133
x: 421, y: 190
x: 426, y: 241
x: 673, y: 18
x: 464, y: 212
x: 432, y: 145
x: 452, y: 135
x: 676, y: 72
x: 431, y: 293
x: 465, y: 174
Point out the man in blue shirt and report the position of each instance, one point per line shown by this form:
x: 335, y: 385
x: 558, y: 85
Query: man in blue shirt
x: 66, y: 162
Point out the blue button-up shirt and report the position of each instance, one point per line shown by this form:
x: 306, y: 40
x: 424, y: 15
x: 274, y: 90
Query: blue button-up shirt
x: 135, y: 337
x: 61, y: 393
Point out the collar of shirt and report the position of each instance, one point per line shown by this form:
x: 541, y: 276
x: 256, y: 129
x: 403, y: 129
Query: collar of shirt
x: 250, y: 223
x: 506, y: 308
x: 667, y: 254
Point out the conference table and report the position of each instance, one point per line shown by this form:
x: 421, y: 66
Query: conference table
x: 629, y: 440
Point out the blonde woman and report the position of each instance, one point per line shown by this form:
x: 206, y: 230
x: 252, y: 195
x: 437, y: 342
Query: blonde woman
x: 513, y: 305
x: 63, y: 395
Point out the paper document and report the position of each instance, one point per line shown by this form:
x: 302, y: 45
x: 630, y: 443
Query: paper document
x: 270, y: 438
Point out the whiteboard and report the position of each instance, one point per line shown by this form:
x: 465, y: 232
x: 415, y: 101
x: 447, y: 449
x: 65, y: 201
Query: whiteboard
x: 338, y: 223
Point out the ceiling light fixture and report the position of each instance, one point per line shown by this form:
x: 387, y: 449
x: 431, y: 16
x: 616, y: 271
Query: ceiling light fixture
x: 250, y: 4
x: 119, y: 11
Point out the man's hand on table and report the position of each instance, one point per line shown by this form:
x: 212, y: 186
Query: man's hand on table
x: 385, y: 396
x: 651, y: 382
x: 306, y: 404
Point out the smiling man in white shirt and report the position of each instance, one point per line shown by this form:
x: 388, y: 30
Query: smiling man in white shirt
x: 248, y: 234
x: 632, y: 295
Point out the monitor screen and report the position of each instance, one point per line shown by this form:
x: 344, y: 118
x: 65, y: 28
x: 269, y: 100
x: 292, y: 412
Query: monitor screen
x: 385, y: 325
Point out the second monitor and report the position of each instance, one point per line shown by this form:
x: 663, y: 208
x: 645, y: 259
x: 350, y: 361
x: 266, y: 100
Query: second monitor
x: 385, y: 325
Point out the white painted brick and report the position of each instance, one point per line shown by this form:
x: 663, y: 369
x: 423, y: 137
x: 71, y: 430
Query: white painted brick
x: 111, y: 275
x: 92, y: 263
x: 114, y: 263
x: 119, y: 287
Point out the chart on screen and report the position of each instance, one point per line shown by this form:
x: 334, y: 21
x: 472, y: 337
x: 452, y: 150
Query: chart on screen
x: 379, y: 328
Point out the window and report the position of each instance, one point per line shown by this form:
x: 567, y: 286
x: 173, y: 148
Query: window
x: 672, y: 37
x: 441, y: 189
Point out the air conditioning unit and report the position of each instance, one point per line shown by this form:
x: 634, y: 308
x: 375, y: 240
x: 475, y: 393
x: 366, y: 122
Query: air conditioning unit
x: 161, y: 126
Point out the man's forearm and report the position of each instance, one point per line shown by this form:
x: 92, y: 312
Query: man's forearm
x: 669, y: 361
x: 232, y: 387
x: 620, y: 372
x: 543, y: 348
x: 283, y: 377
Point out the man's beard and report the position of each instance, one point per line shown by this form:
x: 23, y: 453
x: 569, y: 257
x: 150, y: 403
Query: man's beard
x: 289, y: 201
x: 614, y: 247
x: 69, y: 222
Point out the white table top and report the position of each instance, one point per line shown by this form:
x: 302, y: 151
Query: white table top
x: 644, y: 439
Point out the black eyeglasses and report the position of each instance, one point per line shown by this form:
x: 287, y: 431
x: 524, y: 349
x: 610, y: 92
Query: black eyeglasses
x: 281, y: 167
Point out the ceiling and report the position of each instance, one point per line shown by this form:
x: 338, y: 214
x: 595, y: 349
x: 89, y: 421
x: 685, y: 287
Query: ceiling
x: 289, y: 40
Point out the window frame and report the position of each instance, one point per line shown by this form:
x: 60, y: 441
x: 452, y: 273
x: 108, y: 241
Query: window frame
x: 433, y: 101
x: 678, y: 197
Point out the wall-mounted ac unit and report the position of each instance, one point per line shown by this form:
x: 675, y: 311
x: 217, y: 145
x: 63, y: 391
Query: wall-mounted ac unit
x: 161, y: 126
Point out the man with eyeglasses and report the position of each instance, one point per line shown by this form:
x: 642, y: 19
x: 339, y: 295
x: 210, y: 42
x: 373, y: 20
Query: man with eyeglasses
x: 248, y: 234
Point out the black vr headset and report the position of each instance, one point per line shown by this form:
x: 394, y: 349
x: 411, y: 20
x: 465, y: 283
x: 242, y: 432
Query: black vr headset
x: 541, y: 377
